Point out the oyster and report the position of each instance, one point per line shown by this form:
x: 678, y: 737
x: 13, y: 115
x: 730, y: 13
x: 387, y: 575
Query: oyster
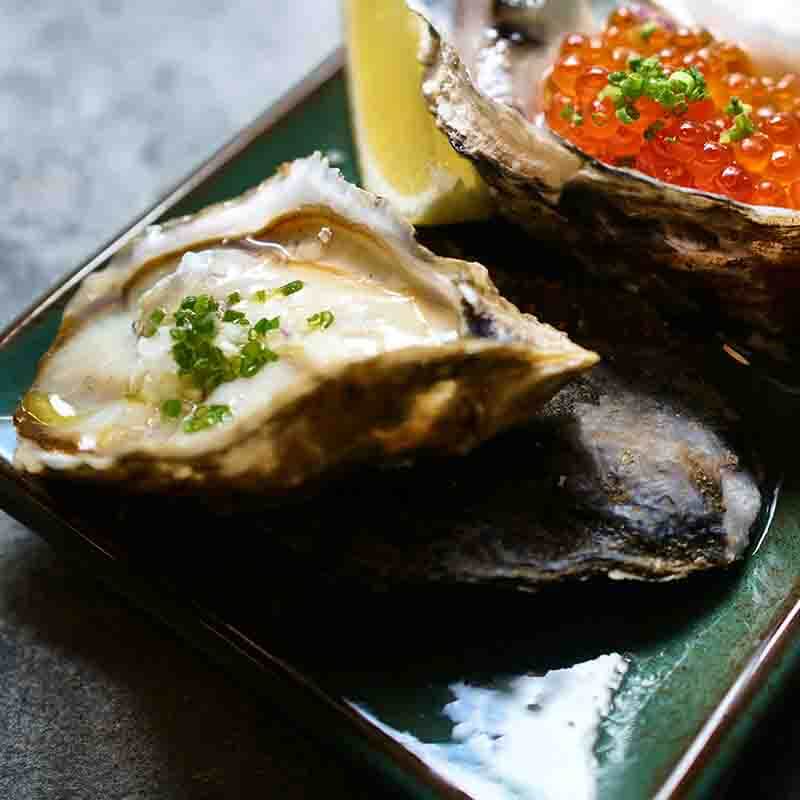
x: 690, y: 250
x: 644, y: 467
x: 268, y: 340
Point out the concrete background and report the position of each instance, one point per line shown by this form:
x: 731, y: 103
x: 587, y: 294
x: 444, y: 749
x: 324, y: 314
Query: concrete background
x: 103, y: 105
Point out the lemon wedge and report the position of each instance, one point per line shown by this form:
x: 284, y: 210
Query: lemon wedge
x: 403, y: 156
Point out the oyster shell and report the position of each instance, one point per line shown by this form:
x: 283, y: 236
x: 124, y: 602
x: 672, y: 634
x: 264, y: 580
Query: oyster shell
x: 422, y: 352
x: 688, y: 249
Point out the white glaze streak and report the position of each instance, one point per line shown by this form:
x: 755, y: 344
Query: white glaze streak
x: 533, y: 740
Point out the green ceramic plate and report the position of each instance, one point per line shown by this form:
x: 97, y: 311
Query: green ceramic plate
x: 706, y: 656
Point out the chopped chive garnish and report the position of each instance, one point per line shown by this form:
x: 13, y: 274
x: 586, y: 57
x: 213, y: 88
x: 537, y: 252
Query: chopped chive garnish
x: 234, y: 316
x: 700, y: 90
x: 264, y: 325
x: 653, y: 129
x: 321, y: 320
x: 614, y: 93
x: 204, y: 304
x: 172, y: 408
x: 150, y: 327
x: 206, y: 325
x: 291, y: 288
x: 742, y: 128
x: 205, y: 417
x: 647, y: 78
x: 262, y: 295
x: 200, y: 360
x: 633, y: 86
x: 254, y: 356
x: 571, y: 115
x: 648, y: 29
x: 681, y: 82
x: 736, y: 107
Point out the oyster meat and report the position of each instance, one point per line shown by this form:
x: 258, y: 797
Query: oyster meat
x: 689, y: 250
x: 268, y: 340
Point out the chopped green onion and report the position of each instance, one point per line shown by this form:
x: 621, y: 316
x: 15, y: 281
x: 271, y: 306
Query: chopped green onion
x: 648, y: 29
x: 205, y: 417
x: 254, y: 356
x: 647, y: 78
x: 262, y: 295
x: 150, y: 327
x: 681, y: 82
x: 172, y: 408
x: 653, y: 129
x: 206, y: 325
x: 204, y: 304
x: 633, y: 86
x: 234, y: 316
x: 264, y: 325
x: 742, y: 128
x: 321, y: 320
x: 200, y: 360
x: 614, y: 93
x: 291, y: 288
x: 647, y: 67
x: 736, y: 107
x: 153, y: 321
x: 700, y: 90
x: 627, y: 114
x: 571, y: 115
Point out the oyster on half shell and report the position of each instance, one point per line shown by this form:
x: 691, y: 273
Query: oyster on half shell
x: 688, y: 249
x: 335, y: 337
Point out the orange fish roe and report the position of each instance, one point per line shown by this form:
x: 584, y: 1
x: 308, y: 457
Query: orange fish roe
x: 680, y: 106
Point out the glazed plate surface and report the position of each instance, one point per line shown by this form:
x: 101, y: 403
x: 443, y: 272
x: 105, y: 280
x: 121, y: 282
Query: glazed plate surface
x: 705, y: 656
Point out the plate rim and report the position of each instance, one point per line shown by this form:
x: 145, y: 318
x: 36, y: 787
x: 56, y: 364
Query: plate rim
x: 686, y: 773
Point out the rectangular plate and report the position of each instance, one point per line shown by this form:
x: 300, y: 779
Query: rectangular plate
x: 706, y: 656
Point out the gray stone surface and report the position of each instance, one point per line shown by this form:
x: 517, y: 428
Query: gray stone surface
x: 103, y: 105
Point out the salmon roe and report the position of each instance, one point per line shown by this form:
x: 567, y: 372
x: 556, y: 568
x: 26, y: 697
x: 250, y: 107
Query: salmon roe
x: 680, y: 106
